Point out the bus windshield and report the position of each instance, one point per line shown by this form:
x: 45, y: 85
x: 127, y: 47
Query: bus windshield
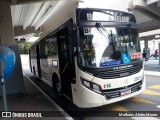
x: 102, y: 46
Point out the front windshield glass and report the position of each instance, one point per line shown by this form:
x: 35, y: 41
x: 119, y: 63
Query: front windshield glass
x: 108, y: 46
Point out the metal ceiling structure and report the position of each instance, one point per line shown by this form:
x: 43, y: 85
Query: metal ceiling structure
x: 147, y: 13
x: 17, y: 2
x: 27, y: 18
x: 30, y: 17
x: 34, y: 17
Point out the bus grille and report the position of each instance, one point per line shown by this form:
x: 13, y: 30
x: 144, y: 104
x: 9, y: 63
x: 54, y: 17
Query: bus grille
x: 114, y: 93
x: 118, y: 73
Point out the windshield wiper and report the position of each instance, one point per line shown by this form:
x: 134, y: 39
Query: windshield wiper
x: 112, y: 41
x: 124, y: 41
x: 129, y: 34
x: 98, y: 26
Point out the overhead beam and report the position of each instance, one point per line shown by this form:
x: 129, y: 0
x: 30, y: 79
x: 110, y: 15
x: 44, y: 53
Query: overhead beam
x: 149, y: 2
x: 148, y: 13
x: 151, y: 11
x: 61, y: 16
x: 149, y: 35
x: 142, y: 7
x: 16, y: 2
x: 33, y: 11
x: 148, y: 26
x: 145, y: 29
x: 18, y: 31
x: 154, y: 8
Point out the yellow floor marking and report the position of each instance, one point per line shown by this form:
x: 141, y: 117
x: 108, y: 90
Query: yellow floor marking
x: 137, y: 99
x: 155, y: 87
x: 116, y: 107
x: 149, y: 92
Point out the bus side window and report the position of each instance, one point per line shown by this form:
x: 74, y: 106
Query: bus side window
x: 51, y: 47
x: 42, y: 48
x: 33, y: 51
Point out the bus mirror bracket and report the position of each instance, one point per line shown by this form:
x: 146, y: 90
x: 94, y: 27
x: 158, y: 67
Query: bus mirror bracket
x: 73, y: 81
x: 55, y: 63
x: 75, y: 51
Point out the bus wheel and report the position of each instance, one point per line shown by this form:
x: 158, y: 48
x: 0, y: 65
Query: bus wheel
x: 57, y: 86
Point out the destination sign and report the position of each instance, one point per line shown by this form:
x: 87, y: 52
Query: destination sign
x: 103, y: 15
x: 119, y: 18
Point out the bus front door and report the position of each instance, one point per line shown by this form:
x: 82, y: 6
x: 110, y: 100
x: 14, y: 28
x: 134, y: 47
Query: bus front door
x: 64, y: 63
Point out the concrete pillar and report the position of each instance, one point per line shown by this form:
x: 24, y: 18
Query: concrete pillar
x: 147, y: 49
x: 6, y: 26
x: 154, y: 44
x: 145, y: 43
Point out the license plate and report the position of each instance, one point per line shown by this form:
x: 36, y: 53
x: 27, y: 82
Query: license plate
x: 126, y: 92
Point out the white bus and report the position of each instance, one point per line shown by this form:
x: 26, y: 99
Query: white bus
x: 93, y: 58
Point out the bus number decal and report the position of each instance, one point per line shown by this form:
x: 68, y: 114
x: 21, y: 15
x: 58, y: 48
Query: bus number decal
x: 119, y: 18
x: 108, y: 85
x: 87, y: 31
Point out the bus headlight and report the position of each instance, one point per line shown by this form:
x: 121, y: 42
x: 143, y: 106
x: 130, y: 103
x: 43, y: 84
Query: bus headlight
x: 87, y: 84
x: 96, y: 88
x: 90, y: 85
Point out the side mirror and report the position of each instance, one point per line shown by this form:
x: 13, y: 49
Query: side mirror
x: 73, y: 80
x: 55, y: 63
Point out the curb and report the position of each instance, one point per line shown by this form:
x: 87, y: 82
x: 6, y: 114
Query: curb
x: 151, y: 73
x: 66, y: 115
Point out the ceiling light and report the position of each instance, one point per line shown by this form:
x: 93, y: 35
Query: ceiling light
x: 46, y: 12
x: 157, y: 36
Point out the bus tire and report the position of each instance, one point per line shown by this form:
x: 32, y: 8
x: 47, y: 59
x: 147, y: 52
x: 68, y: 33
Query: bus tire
x: 57, y: 85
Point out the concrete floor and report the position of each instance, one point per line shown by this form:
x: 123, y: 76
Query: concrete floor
x: 152, y: 65
x: 31, y: 100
